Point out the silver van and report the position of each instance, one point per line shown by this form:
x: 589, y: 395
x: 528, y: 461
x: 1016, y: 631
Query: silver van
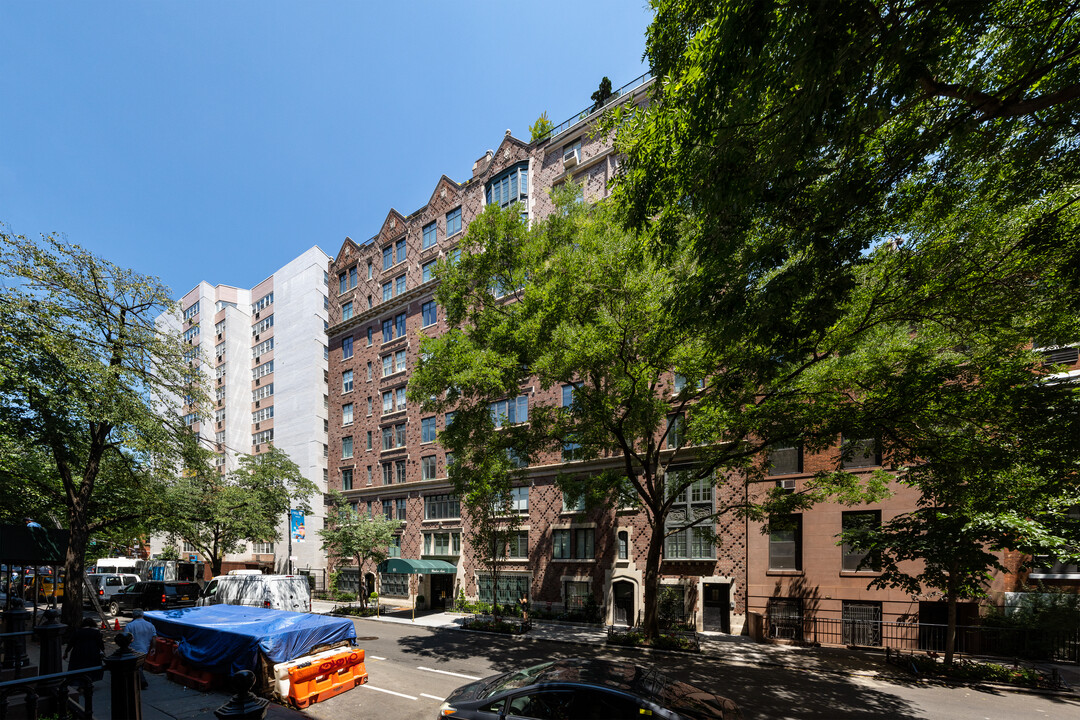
x: 277, y: 592
x: 108, y: 584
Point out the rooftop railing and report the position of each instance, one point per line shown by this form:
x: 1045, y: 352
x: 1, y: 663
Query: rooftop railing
x: 593, y: 110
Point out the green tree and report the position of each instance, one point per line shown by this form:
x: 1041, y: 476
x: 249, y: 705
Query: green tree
x: 84, y: 373
x: 541, y: 128
x: 577, y: 303
x: 602, y: 94
x: 357, y: 537
x: 219, y: 513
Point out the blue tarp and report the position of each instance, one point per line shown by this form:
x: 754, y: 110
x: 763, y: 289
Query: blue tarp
x: 228, y: 638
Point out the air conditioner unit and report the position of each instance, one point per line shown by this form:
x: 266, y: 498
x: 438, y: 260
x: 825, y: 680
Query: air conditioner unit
x: 256, y: 338
x: 257, y: 403
x: 788, y: 484
x: 571, y: 157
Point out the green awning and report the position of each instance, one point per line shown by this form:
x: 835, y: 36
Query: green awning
x: 405, y: 566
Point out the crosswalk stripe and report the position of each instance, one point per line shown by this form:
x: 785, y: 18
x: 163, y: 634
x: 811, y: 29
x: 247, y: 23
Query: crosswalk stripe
x: 389, y: 692
x: 447, y: 672
x: 433, y: 697
x: 376, y: 657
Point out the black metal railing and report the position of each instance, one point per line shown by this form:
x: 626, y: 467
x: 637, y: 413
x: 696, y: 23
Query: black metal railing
x: 1031, y: 644
x: 53, y: 692
x: 592, y: 109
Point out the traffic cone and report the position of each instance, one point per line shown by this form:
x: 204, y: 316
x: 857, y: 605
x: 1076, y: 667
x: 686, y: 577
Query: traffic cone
x: 104, y: 625
x: 116, y: 624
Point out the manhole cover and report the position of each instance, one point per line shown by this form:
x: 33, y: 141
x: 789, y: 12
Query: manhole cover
x: 366, y: 639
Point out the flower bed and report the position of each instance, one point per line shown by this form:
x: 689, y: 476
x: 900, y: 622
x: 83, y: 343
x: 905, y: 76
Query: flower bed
x: 490, y: 624
x: 973, y: 671
x: 356, y: 610
x: 665, y: 641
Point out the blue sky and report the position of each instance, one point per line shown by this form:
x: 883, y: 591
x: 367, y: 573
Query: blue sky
x: 217, y: 140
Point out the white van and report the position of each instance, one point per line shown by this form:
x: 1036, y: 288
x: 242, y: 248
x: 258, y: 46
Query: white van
x: 277, y: 592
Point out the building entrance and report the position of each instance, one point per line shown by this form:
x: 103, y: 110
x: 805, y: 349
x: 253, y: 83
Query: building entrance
x: 716, y: 610
x: 622, y: 594
x: 442, y: 592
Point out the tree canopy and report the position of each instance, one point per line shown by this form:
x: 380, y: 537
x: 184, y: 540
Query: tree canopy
x: 350, y: 535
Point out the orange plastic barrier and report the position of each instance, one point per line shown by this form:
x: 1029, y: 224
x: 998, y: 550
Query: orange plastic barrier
x: 194, y: 678
x: 324, y: 664
x: 324, y: 687
x: 161, y: 655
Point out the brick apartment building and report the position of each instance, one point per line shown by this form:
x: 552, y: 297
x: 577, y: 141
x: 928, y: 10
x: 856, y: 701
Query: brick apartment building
x: 384, y: 457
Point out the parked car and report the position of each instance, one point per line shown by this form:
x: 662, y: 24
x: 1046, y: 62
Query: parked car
x: 155, y: 595
x: 580, y: 689
x: 277, y: 592
x: 106, y: 585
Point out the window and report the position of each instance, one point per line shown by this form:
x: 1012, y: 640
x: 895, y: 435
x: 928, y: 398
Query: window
x: 676, y: 432
x: 508, y: 186
x: 785, y: 618
x: 220, y: 327
x: 862, y: 622
x: 346, y: 448
x: 785, y: 543
x: 573, y: 505
x: 262, y: 414
x: 453, y: 222
x: 429, y: 313
x: 388, y: 508
x: 369, y: 406
x: 427, y: 468
x: 694, y: 502
x: 519, y: 500
x: 387, y: 402
x: 441, y: 507
x: 263, y: 437
x: 429, y: 235
x: 387, y: 365
x: 190, y: 419
x: 388, y: 473
x: 442, y: 543
x: 369, y: 333
x: 352, y: 277
x: 854, y: 521
x: 347, y: 381
x: 399, y: 470
x: 448, y: 418
x: 342, y: 283
x: 347, y: 414
x: 560, y: 544
x: 427, y: 429
x: 400, y: 504
x: 399, y: 321
x: 394, y: 584
x: 399, y: 285
x: 387, y: 257
x: 369, y: 269
x: 584, y: 545
x: 346, y: 348
x: 859, y: 450
x: 400, y: 392
x: 368, y: 474
x: 369, y: 371
x: 428, y: 271
x: 577, y: 594
x: 191, y: 332
x: 346, y: 478
x: 262, y: 548
x: 624, y: 545
x: 510, y: 412
x: 263, y: 370
x: 368, y: 439
x: 785, y: 460
x: 191, y: 310
x: 511, y: 587
x: 264, y: 347
x: 519, y: 545
x: 263, y: 325
x: 346, y: 311
x: 387, y: 291
x: 571, y: 450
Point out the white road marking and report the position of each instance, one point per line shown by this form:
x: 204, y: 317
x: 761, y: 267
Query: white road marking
x: 376, y: 657
x: 447, y: 672
x: 433, y: 697
x: 389, y: 692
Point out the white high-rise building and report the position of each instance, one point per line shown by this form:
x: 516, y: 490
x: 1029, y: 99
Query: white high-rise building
x: 265, y: 356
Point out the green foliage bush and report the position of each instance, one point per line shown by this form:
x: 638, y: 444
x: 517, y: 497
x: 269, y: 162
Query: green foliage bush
x: 665, y: 641
x: 977, y: 671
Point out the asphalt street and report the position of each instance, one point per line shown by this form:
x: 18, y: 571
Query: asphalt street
x: 412, y: 669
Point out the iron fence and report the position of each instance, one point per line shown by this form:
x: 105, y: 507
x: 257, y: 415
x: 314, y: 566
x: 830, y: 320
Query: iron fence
x: 1030, y: 644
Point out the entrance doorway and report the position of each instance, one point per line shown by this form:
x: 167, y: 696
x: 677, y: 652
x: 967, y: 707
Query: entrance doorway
x: 716, y: 610
x: 442, y: 591
x: 369, y: 585
x: 622, y: 597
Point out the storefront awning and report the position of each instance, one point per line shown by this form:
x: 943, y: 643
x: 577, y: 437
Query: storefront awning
x: 405, y: 566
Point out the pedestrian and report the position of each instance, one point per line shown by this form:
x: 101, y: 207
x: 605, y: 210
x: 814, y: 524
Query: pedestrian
x: 143, y: 633
x: 86, y: 648
x: 523, y: 605
x: 31, y: 523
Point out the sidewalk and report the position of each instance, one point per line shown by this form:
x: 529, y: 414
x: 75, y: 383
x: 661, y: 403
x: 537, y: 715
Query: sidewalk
x: 734, y: 649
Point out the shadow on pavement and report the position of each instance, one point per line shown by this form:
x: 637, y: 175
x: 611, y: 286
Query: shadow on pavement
x: 761, y: 692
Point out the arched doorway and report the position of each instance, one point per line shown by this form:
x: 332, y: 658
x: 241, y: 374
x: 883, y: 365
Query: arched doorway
x: 622, y: 598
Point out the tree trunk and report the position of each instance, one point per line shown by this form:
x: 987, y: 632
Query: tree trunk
x: 950, y: 629
x: 651, y: 621
x: 71, y: 612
